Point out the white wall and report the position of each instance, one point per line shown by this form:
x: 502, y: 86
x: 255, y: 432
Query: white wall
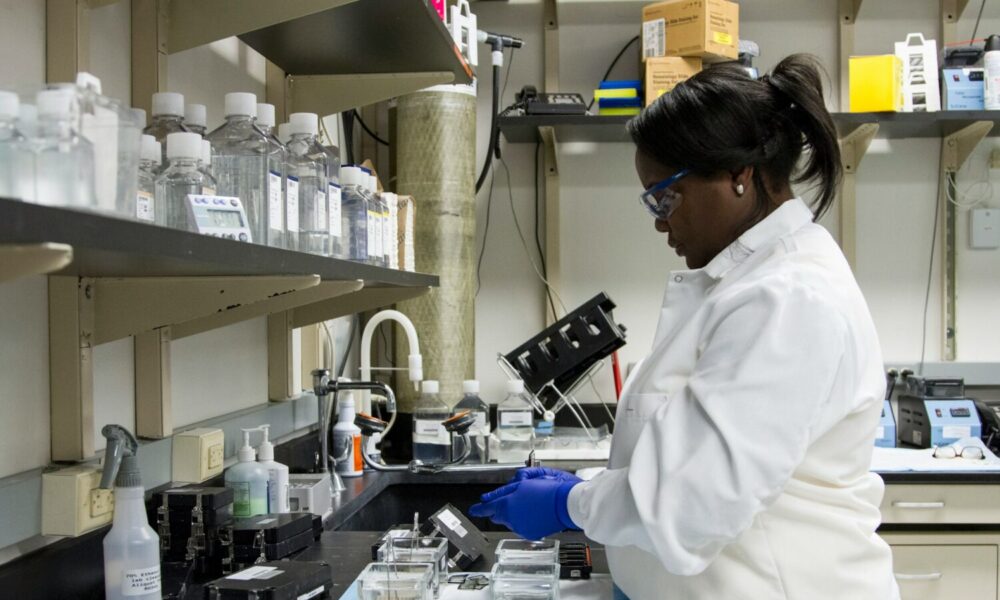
x: 609, y: 244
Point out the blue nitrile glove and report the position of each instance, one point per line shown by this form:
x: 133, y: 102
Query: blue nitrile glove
x: 531, y: 508
x: 543, y: 473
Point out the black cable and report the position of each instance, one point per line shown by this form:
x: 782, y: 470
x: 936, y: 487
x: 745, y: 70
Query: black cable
x: 980, y: 16
x: 538, y: 242
x: 494, y: 129
x: 930, y: 270
x: 506, y: 79
x: 613, y: 63
x: 364, y: 126
x: 348, y: 116
x: 486, y: 233
x: 350, y: 344
x: 385, y: 344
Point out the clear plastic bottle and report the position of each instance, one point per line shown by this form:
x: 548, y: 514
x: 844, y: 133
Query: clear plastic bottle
x: 205, y: 166
x: 392, y: 233
x: 167, y: 118
x: 277, y: 159
x: 64, y: 160
x: 181, y: 177
x: 515, y: 425
x: 195, y: 118
x: 149, y: 165
x: 334, y: 197
x: 131, y: 548
x: 375, y: 232
x: 239, y: 161
x: 248, y: 480
x: 431, y: 441
x: 480, y: 432
x: 17, y: 163
x: 307, y: 165
x: 354, y: 213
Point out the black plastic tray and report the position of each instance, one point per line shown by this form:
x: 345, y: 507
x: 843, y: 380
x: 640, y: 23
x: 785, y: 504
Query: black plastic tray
x: 288, y: 580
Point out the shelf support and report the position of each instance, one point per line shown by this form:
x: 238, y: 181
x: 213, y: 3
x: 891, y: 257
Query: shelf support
x: 951, y: 12
x: 20, y: 260
x: 553, y: 253
x: 329, y: 94
x: 852, y: 150
x: 71, y: 377
x: 955, y: 150
x: 348, y: 304
x: 550, y: 14
x: 67, y: 39
x: 149, y: 50
x: 846, y: 18
x: 153, y: 398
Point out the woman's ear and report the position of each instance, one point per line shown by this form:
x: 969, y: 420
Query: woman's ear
x: 742, y: 180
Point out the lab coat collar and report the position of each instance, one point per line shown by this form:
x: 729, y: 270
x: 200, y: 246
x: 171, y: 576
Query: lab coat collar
x: 787, y: 218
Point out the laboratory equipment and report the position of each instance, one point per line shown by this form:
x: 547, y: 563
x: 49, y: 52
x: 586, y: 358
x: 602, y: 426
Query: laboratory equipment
x: 195, y: 119
x: 347, y: 439
x: 396, y: 581
x: 516, y: 551
x: 149, y: 164
x: 885, y: 434
x: 285, y: 580
x: 131, y: 548
x: 277, y: 164
x: 991, y: 62
x: 466, y: 543
x: 515, y: 430
x: 195, y: 526
x: 511, y: 581
x: 480, y: 432
x: 17, y: 164
x: 167, y: 117
x: 354, y: 213
x: 218, y: 216
x: 307, y: 164
x: 418, y: 549
x: 431, y: 442
x: 989, y: 413
x: 277, y: 474
x: 575, y: 561
x: 935, y: 412
x: 248, y: 480
x: 312, y: 492
x: 180, y: 179
x: 64, y: 159
x: 240, y: 160
x: 271, y: 536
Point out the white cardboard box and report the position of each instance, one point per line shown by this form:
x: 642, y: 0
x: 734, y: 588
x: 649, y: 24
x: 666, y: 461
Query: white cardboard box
x: 921, y: 89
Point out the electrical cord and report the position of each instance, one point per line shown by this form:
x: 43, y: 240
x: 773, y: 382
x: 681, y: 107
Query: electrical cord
x: 364, y: 126
x: 978, y: 18
x: 538, y: 241
x: 930, y: 269
x: 486, y: 233
x: 494, y: 129
x: 613, y: 63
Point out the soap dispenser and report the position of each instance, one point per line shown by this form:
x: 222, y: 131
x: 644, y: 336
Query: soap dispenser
x: 248, y: 480
x: 277, y: 475
x: 131, y: 548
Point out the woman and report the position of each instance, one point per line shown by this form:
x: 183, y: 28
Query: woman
x: 739, y: 467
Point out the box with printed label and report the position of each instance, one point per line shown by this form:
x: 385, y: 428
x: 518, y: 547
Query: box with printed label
x: 962, y: 89
x: 876, y: 83
x: 706, y: 29
x: 663, y: 73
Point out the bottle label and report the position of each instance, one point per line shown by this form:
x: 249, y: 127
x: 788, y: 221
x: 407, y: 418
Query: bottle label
x: 144, y: 207
x: 140, y: 582
x: 292, y: 204
x: 430, y: 427
x: 372, y: 226
x: 241, y: 498
x: 334, y: 195
x: 379, y: 235
x: 274, y: 208
x: 520, y: 418
x: 356, y: 455
x: 322, y: 221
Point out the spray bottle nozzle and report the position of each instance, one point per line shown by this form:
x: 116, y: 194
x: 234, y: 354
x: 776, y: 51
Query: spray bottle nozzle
x: 121, y: 443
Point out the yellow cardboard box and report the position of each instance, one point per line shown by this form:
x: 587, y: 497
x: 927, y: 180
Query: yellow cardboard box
x: 876, y: 83
x: 665, y: 72
x: 707, y: 29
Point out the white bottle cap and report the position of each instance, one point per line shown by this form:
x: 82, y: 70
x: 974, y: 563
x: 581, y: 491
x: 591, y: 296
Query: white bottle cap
x: 265, y: 114
x: 265, y: 452
x: 515, y: 386
x: 246, y: 452
x: 430, y: 386
x: 55, y: 103
x: 150, y: 149
x: 183, y: 145
x: 283, y: 133
x: 168, y: 103
x: 139, y: 116
x: 307, y: 123
x: 470, y: 386
x: 241, y: 103
x: 351, y: 176
x: 9, y: 104
x: 195, y: 114
x: 206, y: 152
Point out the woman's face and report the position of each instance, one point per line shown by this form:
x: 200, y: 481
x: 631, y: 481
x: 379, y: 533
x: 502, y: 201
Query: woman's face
x: 710, y: 215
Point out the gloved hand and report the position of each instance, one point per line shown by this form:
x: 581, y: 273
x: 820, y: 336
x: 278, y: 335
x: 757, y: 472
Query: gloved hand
x: 531, y: 508
x: 543, y: 473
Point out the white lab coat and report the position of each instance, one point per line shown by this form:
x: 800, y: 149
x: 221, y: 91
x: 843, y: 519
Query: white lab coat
x: 739, y: 467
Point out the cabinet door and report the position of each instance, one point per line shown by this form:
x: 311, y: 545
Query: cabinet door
x: 944, y: 572
x: 906, y: 503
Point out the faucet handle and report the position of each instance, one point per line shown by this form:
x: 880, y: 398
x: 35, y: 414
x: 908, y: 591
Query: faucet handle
x: 460, y: 423
x: 369, y: 425
x: 321, y: 377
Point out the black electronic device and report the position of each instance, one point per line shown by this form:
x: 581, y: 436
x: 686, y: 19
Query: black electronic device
x: 989, y: 414
x: 194, y: 528
x: 575, y: 561
x: 540, y: 103
x: 271, y: 536
x: 935, y: 388
x: 466, y: 543
x: 284, y: 580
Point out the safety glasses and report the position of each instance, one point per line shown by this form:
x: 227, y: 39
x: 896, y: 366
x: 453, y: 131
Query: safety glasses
x: 969, y: 452
x: 660, y: 200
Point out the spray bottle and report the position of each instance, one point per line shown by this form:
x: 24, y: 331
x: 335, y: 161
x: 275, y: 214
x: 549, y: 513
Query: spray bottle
x: 277, y: 475
x: 991, y: 62
x: 248, y: 480
x: 131, y: 548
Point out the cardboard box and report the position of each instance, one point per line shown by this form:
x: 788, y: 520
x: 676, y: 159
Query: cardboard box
x: 706, y: 29
x: 663, y: 73
x: 962, y: 88
x: 921, y: 92
x: 876, y: 83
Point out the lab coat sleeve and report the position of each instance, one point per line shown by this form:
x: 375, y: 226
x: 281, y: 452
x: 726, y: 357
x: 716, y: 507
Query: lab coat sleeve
x: 712, y: 457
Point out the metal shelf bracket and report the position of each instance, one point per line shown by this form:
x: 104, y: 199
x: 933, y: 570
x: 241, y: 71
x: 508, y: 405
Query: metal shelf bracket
x: 852, y: 150
x: 20, y: 260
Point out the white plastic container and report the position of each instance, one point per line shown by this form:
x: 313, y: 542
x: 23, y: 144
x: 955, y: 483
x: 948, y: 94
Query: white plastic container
x: 347, y: 438
x: 131, y: 548
x: 17, y: 163
x: 64, y: 159
x: 248, y: 480
x: 991, y: 61
x: 277, y: 475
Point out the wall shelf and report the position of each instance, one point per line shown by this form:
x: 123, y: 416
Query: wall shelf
x: 568, y: 128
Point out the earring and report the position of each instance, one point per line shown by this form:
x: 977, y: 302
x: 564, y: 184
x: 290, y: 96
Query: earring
x: 739, y: 189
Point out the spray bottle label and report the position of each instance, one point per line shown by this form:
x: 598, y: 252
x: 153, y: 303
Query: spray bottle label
x: 140, y: 582
x: 356, y: 454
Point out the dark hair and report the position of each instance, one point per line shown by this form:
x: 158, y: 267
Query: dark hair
x: 723, y: 120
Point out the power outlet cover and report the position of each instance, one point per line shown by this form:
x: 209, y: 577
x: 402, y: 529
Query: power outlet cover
x: 72, y: 504
x: 198, y: 454
x: 985, y: 229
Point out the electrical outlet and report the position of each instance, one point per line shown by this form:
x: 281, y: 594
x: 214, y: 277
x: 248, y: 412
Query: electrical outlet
x: 72, y: 504
x: 216, y: 456
x: 198, y: 454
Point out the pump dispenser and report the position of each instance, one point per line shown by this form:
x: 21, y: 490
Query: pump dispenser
x: 277, y: 475
x: 131, y: 548
x: 248, y: 480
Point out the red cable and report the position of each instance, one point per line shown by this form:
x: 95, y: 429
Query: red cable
x: 617, y: 371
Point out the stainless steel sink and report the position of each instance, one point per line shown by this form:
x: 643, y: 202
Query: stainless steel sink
x: 396, y: 504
